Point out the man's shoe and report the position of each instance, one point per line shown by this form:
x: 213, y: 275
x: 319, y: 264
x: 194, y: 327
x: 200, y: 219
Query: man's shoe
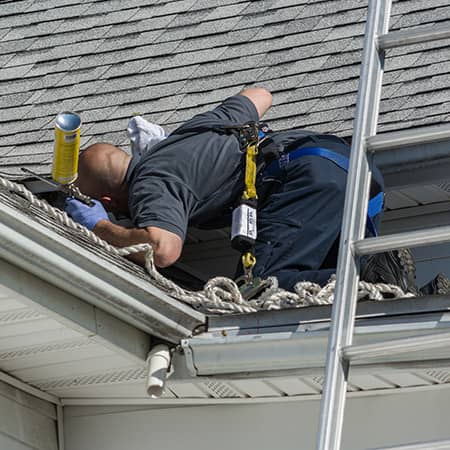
x: 394, y: 267
x: 440, y: 285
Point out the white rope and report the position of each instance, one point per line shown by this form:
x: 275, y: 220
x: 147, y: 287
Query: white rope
x: 220, y: 295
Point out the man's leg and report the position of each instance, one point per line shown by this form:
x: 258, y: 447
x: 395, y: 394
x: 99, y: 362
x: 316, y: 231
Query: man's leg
x: 299, y: 223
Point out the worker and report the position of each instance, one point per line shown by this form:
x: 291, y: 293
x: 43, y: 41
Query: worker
x: 195, y: 176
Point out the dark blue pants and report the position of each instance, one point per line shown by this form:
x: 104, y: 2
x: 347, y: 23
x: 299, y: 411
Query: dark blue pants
x: 299, y: 222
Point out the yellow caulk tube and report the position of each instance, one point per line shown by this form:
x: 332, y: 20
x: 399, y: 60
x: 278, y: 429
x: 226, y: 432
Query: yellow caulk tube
x: 67, y: 148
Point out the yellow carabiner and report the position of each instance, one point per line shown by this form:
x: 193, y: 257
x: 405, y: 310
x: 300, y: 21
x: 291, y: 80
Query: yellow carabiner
x: 248, y: 261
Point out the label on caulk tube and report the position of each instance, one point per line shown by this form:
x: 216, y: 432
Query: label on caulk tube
x: 244, y: 222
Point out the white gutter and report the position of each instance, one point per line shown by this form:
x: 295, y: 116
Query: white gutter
x: 55, y: 259
x: 303, y: 350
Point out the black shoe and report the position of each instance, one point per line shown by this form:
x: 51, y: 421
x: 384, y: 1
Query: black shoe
x: 440, y: 285
x: 394, y: 267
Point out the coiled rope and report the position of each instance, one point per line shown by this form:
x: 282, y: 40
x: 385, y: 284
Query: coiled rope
x: 220, y: 295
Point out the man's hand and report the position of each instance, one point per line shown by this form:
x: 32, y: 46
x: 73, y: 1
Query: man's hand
x: 86, y: 215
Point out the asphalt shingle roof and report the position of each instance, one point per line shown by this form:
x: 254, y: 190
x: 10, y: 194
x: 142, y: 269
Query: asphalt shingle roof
x: 168, y: 60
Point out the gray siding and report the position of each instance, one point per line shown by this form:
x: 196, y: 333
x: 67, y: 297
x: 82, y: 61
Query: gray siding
x: 370, y: 421
x: 25, y: 421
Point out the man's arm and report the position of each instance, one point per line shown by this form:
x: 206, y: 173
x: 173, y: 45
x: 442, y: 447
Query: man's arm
x: 260, y: 97
x: 166, y: 245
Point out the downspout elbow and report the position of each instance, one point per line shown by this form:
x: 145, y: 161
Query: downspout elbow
x: 158, y: 366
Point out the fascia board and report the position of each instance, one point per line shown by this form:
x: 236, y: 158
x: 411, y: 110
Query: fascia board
x: 62, y: 263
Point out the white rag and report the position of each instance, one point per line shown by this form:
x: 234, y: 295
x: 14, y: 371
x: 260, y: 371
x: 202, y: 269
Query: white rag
x: 143, y: 135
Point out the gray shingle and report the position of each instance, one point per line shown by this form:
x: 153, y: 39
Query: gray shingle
x: 219, y: 40
x: 69, y: 92
x: 156, y: 109
x: 113, y: 5
x: 164, y: 9
x: 16, y: 45
x: 63, y: 38
x: 331, y: 8
x: 239, y: 78
x: 308, y: 51
x: 8, y: 128
x: 125, y: 68
x: 202, y: 29
x: 221, y: 12
x: 27, y: 138
x: 204, y: 4
x: 55, y: 53
x: 51, y: 109
x: 138, y: 26
x: 286, y: 28
x: 227, y: 65
x: 98, y: 114
x: 279, y: 43
x: 422, y: 18
x: 129, y: 41
x: 147, y: 51
x: 16, y: 7
x: 400, y: 8
x: 335, y: 102
x: 4, y: 151
x: 47, y: 15
x: 187, y: 58
x: 346, y: 31
x: 339, y: 19
x: 285, y: 3
x: 80, y: 76
x: 38, y: 29
x: 282, y: 70
x: 46, y: 67
x: 197, y: 99
x: 291, y: 109
x: 11, y: 73
x: 260, y: 6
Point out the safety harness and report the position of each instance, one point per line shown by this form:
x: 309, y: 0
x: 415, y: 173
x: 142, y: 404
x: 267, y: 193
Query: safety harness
x: 263, y: 156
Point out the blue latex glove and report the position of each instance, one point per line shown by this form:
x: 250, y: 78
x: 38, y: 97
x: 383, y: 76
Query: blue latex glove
x: 85, y: 215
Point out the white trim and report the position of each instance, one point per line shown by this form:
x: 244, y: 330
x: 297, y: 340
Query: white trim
x: 133, y: 401
x: 60, y: 426
x: 29, y: 389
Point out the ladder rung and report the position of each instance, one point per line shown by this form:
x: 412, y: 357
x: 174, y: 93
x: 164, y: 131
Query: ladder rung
x: 414, y: 36
x: 396, y: 139
x: 409, y: 239
x: 396, y: 347
x: 433, y: 445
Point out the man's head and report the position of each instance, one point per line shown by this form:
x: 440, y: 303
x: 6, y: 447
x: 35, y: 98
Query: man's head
x: 101, y: 175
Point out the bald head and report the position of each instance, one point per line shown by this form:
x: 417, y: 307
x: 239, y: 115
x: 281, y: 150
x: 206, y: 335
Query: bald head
x: 101, y: 174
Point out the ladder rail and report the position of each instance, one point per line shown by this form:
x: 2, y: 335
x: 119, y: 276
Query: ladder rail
x: 353, y: 227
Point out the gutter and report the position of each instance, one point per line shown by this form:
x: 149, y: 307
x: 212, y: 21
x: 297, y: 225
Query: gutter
x: 241, y: 353
x: 62, y: 263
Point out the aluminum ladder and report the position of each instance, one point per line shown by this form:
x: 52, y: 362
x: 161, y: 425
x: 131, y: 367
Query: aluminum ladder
x: 353, y: 245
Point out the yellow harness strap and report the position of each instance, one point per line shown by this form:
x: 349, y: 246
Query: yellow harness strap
x: 248, y: 258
